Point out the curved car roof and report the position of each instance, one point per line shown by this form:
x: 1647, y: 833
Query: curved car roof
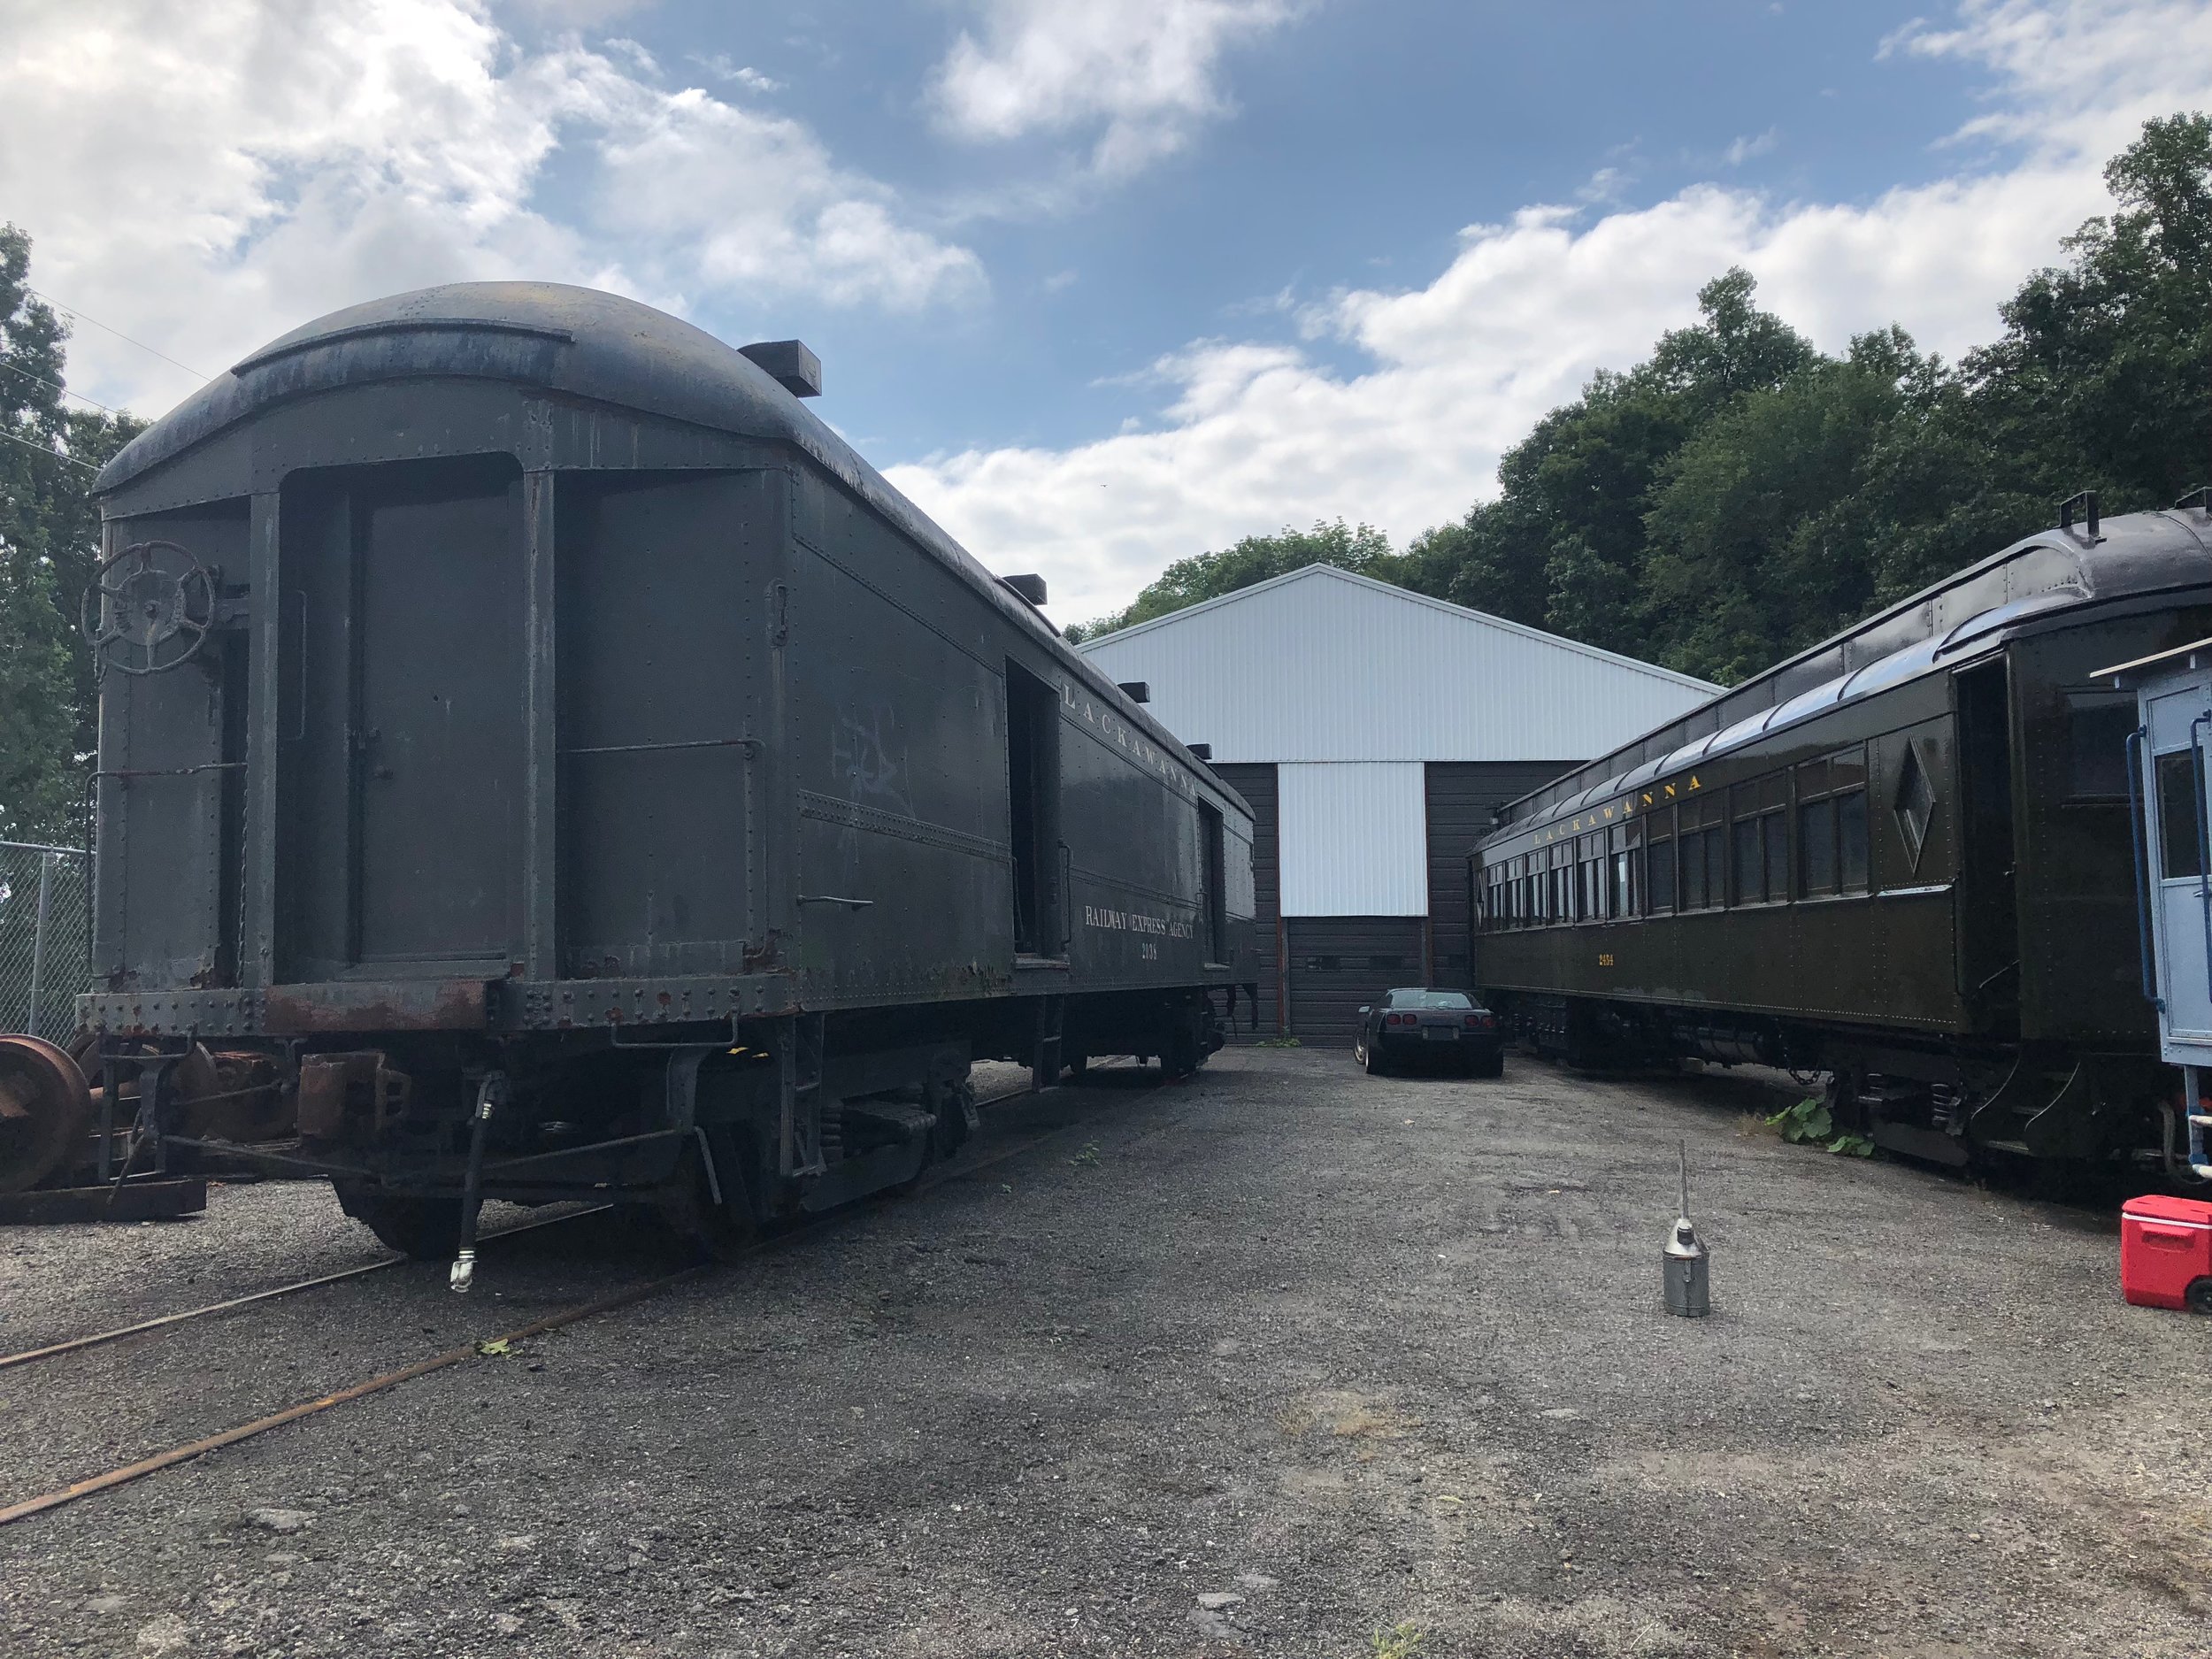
x: 2034, y: 580
x: 583, y: 343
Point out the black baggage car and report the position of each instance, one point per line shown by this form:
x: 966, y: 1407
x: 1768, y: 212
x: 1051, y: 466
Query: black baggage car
x: 535, y: 743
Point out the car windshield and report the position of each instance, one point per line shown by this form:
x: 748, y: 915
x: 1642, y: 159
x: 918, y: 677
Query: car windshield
x: 1431, y: 999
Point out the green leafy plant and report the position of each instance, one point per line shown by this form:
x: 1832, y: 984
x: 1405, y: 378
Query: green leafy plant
x: 1088, y: 1155
x: 1401, y: 1640
x: 1808, y: 1120
x: 1810, y: 1123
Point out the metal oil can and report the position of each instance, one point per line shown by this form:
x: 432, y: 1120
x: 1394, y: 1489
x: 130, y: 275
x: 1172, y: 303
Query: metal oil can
x: 1685, y: 1261
x: 1689, y: 1291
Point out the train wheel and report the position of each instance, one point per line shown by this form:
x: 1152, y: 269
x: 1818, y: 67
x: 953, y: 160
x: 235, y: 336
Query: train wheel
x: 687, y: 1209
x: 45, y: 1111
x: 953, y: 1100
x: 1184, y: 1052
x: 428, y: 1229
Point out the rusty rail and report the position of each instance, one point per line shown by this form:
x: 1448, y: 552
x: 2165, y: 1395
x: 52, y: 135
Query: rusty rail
x: 194, y: 1449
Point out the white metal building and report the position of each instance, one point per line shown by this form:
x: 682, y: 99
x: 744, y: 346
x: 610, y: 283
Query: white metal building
x: 1374, y: 730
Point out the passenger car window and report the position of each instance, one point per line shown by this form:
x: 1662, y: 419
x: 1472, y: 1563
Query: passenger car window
x: 1661, y: 876
x: 2097, y: 729
x: 1775, y: 832
x: 1816, y: 847
x: 2178, y: 816
x: 1693, y: 870
x: 1750, y: 877
x: 1851, y: 840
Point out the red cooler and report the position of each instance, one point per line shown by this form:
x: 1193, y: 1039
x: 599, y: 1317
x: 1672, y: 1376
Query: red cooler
x: 2166, y: 1252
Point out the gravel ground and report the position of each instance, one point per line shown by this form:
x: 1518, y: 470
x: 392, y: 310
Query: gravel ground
x: 1274, y: 1362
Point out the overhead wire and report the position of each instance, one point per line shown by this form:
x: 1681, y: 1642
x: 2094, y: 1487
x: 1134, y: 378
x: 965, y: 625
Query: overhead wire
x: 17, y: 368
x: 117, y: 333
x: 51, y: 455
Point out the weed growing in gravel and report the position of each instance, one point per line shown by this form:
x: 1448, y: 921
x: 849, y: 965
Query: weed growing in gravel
x: 1088, y: 1155
x: 1359, y: 1421
x: 1810, y: 1121
x: 1278, y: 1042
x: 1401, y: 1640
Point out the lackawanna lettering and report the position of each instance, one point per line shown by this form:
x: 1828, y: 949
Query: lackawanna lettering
x: 1627, y: 807
x: 1120, y: 733
x: 1135, y: 922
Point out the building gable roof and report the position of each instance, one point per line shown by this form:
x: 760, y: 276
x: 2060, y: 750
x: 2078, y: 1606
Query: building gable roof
x: 1323, y: 665
x: 1466, y: 613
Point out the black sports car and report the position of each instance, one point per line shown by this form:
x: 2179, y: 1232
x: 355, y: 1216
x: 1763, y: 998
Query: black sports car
x: 1421, y: 1026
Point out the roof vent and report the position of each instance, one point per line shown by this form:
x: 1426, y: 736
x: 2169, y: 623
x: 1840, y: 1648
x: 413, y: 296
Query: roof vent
x: 1029, y: 588
x: 797, y: 370
x: 2087, y: 503
x: 1205, y: 751
x: 1136, y: 690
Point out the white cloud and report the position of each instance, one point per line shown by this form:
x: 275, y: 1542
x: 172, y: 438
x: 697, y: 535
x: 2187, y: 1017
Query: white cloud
x: 735, y: 201
x: 1260, y: 434
x: 1744, y: 149
x: 577, y: 14
x: 203, y: 174
x: 1604, y: 187
x: 1139, y: 75
x: 724, y: 67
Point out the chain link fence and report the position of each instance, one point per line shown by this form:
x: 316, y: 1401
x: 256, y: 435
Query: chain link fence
x: 45, y: 927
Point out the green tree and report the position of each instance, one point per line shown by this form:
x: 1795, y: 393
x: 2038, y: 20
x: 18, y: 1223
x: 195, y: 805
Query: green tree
x: 49, y: 551
x: 1739, y: 495
x: 2103, y: 375
x: 1765, y: 526
x: 1565, y: 546
x: 1256, y: 558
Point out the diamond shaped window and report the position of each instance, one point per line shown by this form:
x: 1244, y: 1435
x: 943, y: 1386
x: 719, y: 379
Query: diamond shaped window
x: 1914, y: 803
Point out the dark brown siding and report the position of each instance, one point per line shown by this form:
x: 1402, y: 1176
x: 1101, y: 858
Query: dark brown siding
x: 1461, y: 795
x: 1337, y: 963
x: 1257, y: 785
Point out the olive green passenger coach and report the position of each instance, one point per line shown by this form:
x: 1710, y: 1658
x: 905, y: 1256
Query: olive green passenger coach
x: 1903, y: 857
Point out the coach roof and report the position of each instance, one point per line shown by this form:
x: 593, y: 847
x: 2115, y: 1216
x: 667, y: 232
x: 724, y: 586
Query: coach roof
x: 577, y: 341
x: 585, y: 344
x: 2035, y: 580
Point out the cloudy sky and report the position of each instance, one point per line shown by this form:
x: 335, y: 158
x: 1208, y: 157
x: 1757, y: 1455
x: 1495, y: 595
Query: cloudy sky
x: 1098, y: 285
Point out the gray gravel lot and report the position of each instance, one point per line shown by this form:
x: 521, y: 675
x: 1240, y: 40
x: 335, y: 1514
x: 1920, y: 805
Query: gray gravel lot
x: 1266, y: 1363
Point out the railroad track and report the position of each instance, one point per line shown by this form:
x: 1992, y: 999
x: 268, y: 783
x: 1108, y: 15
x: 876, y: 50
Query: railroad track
x: 936, y: 1177
x: 98, y: 1339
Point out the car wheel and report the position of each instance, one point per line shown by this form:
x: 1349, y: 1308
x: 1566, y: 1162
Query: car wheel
x: 428, y: 1229
x: 1494, y: 1066
x: 1371, y: 1060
